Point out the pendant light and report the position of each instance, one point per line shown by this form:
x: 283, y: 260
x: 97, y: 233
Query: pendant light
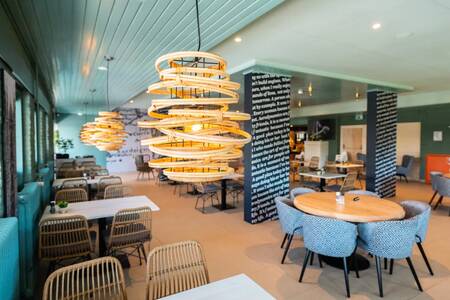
x: 199, y: 133
x: 109, y: 133
x: 87, y: 130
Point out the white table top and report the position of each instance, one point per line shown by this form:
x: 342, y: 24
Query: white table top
x: 233, y: 288
x: 102, y: 208
x: 58, y: 182
x: 326, y: 175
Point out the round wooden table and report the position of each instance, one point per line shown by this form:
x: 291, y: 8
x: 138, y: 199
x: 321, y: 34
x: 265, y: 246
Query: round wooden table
x: 362, y: 210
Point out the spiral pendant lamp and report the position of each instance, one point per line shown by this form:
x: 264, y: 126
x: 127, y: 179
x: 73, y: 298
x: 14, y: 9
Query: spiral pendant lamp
x: 200, y: 136
x: 108, y: 131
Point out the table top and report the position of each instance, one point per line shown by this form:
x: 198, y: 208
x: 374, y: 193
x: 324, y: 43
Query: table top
x: 58, y: 182
x: 367, y: 209
x: 345, y: 165
x: 446, y: 175
x: 102, y: 208
x: 233, y: 288
x: 325, y: 175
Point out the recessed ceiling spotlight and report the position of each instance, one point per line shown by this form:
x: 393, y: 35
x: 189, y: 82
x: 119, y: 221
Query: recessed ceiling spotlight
x: 238, y: 39
x: 131, y: 101
x: 300, y: 91
x: 103, y: 68
x: 376, y: 26
x: 80, y: 114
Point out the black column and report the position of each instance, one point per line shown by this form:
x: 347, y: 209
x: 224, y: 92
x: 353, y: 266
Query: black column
x: 266, y: 158
x: 381, y: 142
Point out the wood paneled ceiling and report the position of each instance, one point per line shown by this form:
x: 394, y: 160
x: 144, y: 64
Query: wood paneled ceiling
x: 69, y: 39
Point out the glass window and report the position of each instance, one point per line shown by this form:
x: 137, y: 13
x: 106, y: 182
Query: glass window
x: 19, y: 141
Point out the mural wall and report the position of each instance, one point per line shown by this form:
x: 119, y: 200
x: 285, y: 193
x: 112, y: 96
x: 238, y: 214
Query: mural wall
x: 267, y: 99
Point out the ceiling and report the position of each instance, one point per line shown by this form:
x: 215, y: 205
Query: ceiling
x: 335, y: 38
x: 69, y: 39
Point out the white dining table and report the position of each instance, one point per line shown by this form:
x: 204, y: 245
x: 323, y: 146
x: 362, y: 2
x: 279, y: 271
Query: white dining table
x: 239, y: 287
x: 58, y: 182
x: 100, y: 210
x: 323, y: 176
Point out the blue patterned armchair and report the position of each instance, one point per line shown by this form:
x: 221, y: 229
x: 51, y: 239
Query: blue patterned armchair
x: 329, y: 237
x: 291, y: 220
x: 363, y: 192
x: 443, y: 189
x: 434, y: 182
x: 422, y: 211
x: 391, y: 240
x: 300, y: 191
x: 406, y: 166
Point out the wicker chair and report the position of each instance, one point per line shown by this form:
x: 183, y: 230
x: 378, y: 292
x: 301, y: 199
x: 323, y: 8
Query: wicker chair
x: 175, y: 268
x: 70, y: 173
x: 71, y: 195
x: 116, y: 191
x: 104, y: 182
x: 100, y: 278
x: 131, y: 228
x: 348, y: 185
x: 62, y: 238
x: 75, y: 183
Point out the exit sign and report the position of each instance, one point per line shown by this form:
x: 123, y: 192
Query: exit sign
x: 359, y: 116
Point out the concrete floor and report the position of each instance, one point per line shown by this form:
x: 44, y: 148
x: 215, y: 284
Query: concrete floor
x: 232, y: 246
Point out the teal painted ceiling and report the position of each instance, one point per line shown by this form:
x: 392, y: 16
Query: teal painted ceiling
x: 69, y: 39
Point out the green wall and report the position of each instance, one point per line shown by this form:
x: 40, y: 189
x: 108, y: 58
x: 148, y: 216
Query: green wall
x: 432, y: 118
x: 69, y: 128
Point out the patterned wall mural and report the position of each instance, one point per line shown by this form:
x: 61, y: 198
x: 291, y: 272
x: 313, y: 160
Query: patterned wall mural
x: 381, y: 142
x: 267, y: 99
x: 123, y: 160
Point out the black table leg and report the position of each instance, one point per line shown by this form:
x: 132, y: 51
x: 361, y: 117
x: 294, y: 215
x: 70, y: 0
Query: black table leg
x: 223, y: 197
x: 323, y: 182
x: 101, y: 240
x: 337, y: 262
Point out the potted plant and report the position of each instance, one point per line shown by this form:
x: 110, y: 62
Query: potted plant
x: 63, y: 205
x: 64, y: 144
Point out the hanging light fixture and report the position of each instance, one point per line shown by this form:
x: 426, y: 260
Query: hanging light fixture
x: 200, y: 135
x: 88, y: 128
x: 108, y: 133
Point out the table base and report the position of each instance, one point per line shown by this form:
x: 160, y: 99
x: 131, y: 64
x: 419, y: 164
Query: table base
x: 336, y: 262
x: 221, y: 207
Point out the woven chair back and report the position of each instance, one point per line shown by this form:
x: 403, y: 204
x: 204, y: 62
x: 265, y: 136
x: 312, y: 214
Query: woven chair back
x: 71, y: 195
x: 175, y: 268
x: 64, y: 237
x: 116, y: 191
x: 99, y: 279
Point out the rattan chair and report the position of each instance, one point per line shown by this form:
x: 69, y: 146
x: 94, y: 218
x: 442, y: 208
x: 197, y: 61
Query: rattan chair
x: 348, y: 185
x: 131, y: 228
x: 70, y: 173
x: 175, y: 268
x: 71, y: 195
x: 116, y: 191
x: 100, y: 279
x: 104, y: 182
x: 75, y: 183
x: 64, y: 237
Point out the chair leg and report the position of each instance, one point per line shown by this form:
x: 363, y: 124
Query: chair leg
x: 385, y: 263
x: 391, y: 266
x: 143, y: 252
x: 312, y: 259
x: 408, y: 259
x: 406, y: 178
x: 438, y: 202
x: 139, y: 254
x: 347, y: 287
x: 422, y: 251
x: 320, y: 261
x: 284, y: 240
x: 380, y: 279
x: 287, y: 248
x: 432, y: 198
x: 305, y: 263
x: 355, y: 264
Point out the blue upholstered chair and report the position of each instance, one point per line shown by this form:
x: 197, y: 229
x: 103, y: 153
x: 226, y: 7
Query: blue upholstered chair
x: 330, y: 237
x: 422, y: 211
x: 363, y: 192
x: 391, y: 240
x: 300, y: 191
x: 361, y: 157
x: 404, y: 169
x: 434, y: 182
x: 291, y: 220
x: 443, y: 189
